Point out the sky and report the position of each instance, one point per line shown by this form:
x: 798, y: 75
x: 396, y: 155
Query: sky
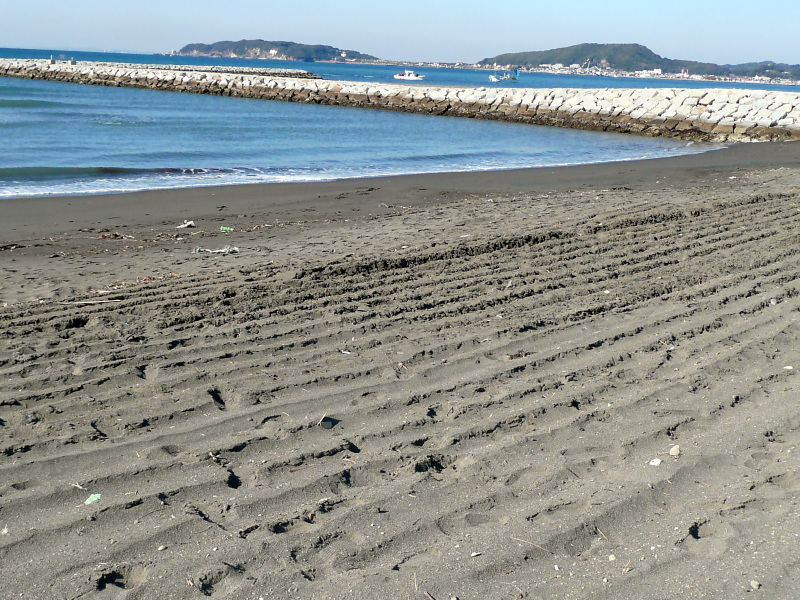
x: 718, y: 31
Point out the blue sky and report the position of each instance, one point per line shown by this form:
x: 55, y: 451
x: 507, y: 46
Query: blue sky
x: 729, y: 31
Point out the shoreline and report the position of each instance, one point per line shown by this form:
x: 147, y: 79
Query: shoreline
x: 666, y: 153
x: 440, y: 386
x: 21, y: 218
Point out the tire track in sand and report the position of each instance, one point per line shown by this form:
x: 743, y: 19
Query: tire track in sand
x: 493, y: 410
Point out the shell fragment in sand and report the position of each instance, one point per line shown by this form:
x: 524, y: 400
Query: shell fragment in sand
x: 225, y: 250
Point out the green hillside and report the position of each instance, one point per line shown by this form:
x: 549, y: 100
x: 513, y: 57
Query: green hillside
x: 628, y: 56
x: 635, y: 57
x: 276, y: 50
x: 766, y: 69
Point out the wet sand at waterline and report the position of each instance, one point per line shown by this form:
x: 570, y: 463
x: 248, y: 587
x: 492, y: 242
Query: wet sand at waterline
x: 570, y: 382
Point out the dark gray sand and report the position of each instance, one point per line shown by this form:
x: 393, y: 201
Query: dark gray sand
x: 560, y: 383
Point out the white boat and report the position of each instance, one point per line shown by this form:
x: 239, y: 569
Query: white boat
x: 409, y: 76
x: 504, y: 76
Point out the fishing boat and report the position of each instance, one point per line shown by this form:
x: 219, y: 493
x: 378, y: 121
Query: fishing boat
x: 409, y: 76
x: 498, y: 76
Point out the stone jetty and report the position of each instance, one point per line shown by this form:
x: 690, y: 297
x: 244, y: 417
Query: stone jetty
x: 718, y: 115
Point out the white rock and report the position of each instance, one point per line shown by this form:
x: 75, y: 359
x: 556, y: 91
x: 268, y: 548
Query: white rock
x: 779, y: 114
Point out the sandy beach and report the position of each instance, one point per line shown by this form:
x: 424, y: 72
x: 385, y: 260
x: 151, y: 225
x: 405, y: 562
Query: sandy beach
x: 562, y: 383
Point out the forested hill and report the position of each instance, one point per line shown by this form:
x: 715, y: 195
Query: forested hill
x: 273, y: 50
x: 635, y: 57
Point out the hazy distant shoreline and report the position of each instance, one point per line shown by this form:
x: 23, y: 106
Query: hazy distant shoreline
x: 610, y: 60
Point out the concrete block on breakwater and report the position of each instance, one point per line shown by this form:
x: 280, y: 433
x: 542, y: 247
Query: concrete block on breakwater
x: 697, y: 114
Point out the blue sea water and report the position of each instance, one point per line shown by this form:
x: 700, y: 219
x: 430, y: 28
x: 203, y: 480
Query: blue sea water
x: 66, y: 139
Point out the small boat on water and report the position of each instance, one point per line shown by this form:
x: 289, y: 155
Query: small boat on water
x: 498, y: 76
x: 409, y: 76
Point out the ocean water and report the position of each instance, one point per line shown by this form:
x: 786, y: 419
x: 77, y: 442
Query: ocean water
x: 67, y: 139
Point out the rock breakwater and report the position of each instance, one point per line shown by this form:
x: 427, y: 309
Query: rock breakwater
x: 718, y: 115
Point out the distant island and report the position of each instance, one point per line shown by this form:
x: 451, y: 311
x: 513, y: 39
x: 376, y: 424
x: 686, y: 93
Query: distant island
x: 274, y: 51
x: 613, y: 60
x: 635, y: 57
